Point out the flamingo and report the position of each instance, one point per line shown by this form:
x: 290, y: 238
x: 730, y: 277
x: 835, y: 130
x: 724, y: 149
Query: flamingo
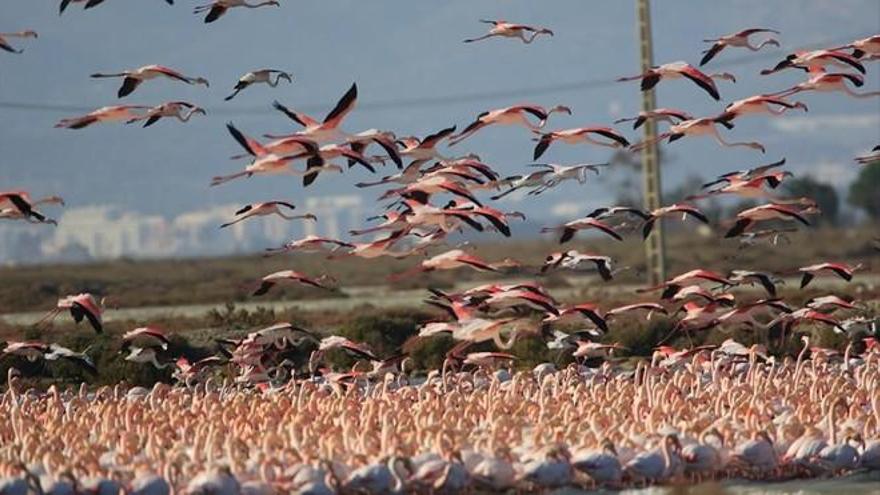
x: 266, y: 162
x: 670, y: 115
x: 90, y: 4
x: 759, y: 104
x: 767, y: 281
x: 684, y: 209
x: 269, y: 281
x: 103, y: 114
x: 312, y: 243
x: 513, y: 115
x: 449, y: 260
x: 697, y: 127
x: 149, y: 337
x: 739, y: 39
x: 698, y: 276
x: 4, y: 44
x: 570, y: 228
x: 561, y: 173
x: 81, y: 306
x: 510, y: 30
x: 867, y: 48
x: 578, y: 135
x: 260, y: 76
x: 385, y: 139
x: 659, y: 464
x: 602, y: 466
x: 869, y: 158
x: 757, y: 453
x: 422, y: 150
x: 747, y: 174
x: 181, y: 110
x: 676, y: 70
x: 842, y: 270
x: 817, y: 60
x: 571, y: 259
x: 18, y: 204
x: 328, y: 129
x: 133, y: 78
x: 827, y: 82
x: 217, y: 8
x: 267, y: 208
x: 769, y: 211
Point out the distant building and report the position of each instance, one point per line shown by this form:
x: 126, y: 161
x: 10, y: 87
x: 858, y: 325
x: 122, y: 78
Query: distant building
x: 108, y: 232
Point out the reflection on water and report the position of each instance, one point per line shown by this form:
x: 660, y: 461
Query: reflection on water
x: 855, y: 484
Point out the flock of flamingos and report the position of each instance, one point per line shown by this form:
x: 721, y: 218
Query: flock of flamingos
x: 476, y: 425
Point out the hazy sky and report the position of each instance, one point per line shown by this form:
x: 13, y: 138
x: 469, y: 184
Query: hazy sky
x: 406, y: 56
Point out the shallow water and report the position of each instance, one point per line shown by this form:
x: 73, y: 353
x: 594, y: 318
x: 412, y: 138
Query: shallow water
x: 854, y: 484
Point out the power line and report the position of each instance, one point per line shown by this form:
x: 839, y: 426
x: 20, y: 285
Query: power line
x: 434, y: 101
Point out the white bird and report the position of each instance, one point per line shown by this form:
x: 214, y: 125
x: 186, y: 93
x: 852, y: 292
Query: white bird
x: 260, y: 76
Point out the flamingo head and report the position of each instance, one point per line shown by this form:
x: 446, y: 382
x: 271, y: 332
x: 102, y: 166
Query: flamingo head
x: 201, y: 80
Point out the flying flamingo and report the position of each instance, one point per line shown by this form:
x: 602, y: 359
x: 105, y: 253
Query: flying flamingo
x: 90, y: 4
x: 817, y: 60
x: 422, y: 150
x: 264, y: 209
x: 510, y: 30
x: 684, y: 209
x: 269, y: 281
x: 266, y: 162
x: 260, y: 76
x: 697, y: 127
x: 134, y: 78
x: 827, y: 82
x: 842, y: 270
x: 181, y: 110
x: 745, y: 175
x: 570, y: 228
x: 4, y: 45
x: 18, y: 204
x: 868, y: 48
x: 572, y: 259
x: 740, y: 39
x: 759, y: 104
x: 103, y: 114
x: 578, y: 135
x: 514, y: 115
x: 770, y: 211
x: 676, y: 70
x: 327, y: 130
x: 670, y: 115
x: 217, y: 8
x: 451, y: 260
x: 869, y: 158
x: 81, y: 306
x: 698, y: 276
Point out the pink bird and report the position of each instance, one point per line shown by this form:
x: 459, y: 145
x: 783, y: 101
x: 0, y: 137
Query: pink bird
x: 81, y: 306
x: 677, y: 70
x: 697, y: 127
x: 771, y: 211
x: 103, y: 114
x: 828, y: 82
x: 740, y: 39
x: 264, y: 209
x: 570, y: 228
x: 271, y: 280
x: 670, y: 115
x: 510, y: 30
x: 514, y: 115
x: 842, y: 270
x: 4, y: 45
x: 133, y: 78
x: 579, y: 135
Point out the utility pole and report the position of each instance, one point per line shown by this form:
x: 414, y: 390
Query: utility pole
x: 655, y: 245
